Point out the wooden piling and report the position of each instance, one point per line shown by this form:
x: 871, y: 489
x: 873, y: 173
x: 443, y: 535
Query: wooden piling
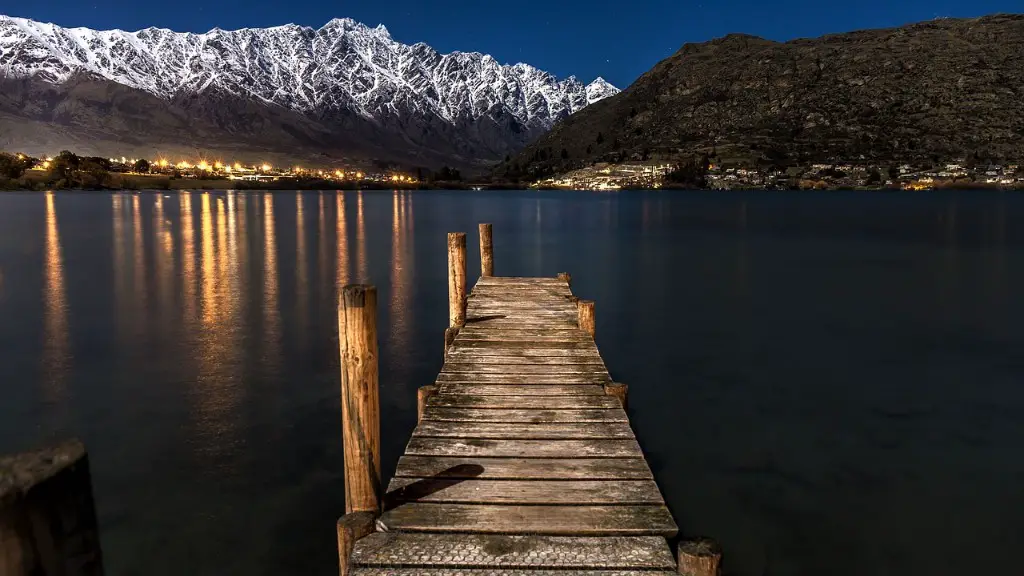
x: 47, y: 515
x: 585, y: 314
x: 351, y: 527
x: 360, y: 403
x: 486, y: 251
x: 456, y: 279
x: 422, y: 395
x: 449, y: 338
x: 699, y: 557
x: 565, y: 276
x: 618, y: 390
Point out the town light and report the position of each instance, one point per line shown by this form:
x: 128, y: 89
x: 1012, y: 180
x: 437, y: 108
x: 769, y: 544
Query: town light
x: 218, y: 165
x: 238, y: 166
x: 339, y: 173
x: 163, y: 163
x: 359, y: 174
x: 265, y: 167
x: 203, y: 165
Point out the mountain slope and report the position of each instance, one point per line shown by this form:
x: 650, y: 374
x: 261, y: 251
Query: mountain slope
x: 346, y: 79
x: 934, y: 90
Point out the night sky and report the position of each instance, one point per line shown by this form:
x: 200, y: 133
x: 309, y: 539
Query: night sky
x: 587, y: 38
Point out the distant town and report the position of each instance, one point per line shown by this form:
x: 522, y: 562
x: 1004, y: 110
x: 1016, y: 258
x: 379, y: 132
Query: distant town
x: 67, y: 170
x: 655, y: 175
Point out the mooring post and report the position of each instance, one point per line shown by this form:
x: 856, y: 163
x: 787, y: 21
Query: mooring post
x: 47, y: 515
x: 486, y: 251
x: 585, y: 313
x: 699, y: 557
x: 617, y: 390
x: 565, y: 276
x: 352, y: 527
x: 456, y: 286
x: 360, y: 400
x: 422, y: 395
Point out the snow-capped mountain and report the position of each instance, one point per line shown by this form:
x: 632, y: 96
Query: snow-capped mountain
x: 340, y: 75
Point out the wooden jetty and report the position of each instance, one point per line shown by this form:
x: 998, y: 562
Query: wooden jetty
x: 523, y: 460
x: 522, y: 463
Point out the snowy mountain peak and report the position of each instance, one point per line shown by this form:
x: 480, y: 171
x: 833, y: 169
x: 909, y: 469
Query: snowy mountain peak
x: 343, y: 67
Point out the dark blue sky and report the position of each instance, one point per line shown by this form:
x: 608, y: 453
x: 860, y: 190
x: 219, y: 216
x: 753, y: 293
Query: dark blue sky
x: 588, y: 38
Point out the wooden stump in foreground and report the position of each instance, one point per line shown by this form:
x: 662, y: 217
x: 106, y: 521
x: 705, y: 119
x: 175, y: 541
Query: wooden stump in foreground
x: 700, y: 557
x: 47, y: 515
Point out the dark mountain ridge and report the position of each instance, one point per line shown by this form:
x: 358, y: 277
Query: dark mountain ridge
x: 927, y: 92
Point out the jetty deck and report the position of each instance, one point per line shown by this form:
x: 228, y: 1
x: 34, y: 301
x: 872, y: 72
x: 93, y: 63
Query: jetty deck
x: 521, y: 461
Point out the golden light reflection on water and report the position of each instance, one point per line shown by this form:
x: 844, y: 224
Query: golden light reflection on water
x: 140, y: 296
x: 163, y: 260
x: 361, y: 241
x: 401, y: 273
x: 208, y: 290
x: 188, y: 257
x: 301, y: 271
x: 341, y: 269
x: 271, y: 311
x: 120, y: 263
x: 55, y: 358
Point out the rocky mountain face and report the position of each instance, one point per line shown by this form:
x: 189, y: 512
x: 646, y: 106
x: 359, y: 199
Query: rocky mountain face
x: 933, y: 91
x: 345, y: 89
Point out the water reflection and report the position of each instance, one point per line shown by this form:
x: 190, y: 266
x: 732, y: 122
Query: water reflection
x: 361, y: 240
x: 55, y: 358
x: 163, y: 260
x: 342, y: 241
x: 401, y: 270
x: 188, y: 257
x: 140, y: 296
x: 302, y: 272
x: 321, y: 249
x: 271, y: 311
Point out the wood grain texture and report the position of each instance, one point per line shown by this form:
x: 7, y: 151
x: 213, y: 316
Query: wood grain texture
x: 535, y: 416
x: 519, y: 390
x: 544, y: 520
x: 523, y: 379
x: 518, y: 552
x: 530, y: 469
x: 486, y: 250
x: 488, y: 448
x: 456, y: 279
x: 360, y: 402
x: 533, y: 492
x: 493, y: 368
x: 524, y: 402
x: 531, y: 431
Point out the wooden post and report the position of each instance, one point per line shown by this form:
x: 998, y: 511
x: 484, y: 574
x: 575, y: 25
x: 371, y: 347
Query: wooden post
x: 422, y: 395
x: 700, y: 557
x: 360, y: 401
x: 585, y: 311
x: 618, y: 390
x: 351, y: 527
x: 456, y: 279
x: 47, y: 515
x: 565, y: 276
x: 449, y: 338
x: 486, y: 251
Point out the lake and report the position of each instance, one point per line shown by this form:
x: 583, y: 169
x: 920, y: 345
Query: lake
x: 827, y: 383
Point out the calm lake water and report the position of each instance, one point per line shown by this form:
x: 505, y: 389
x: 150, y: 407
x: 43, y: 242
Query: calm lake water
x: 828, y: 383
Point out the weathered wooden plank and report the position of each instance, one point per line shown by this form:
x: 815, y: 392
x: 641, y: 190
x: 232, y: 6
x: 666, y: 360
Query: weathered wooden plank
x: 544, y: 520
x: 460, y: 351
x: 524, y: 379
x: 503, y: 280
x: 475, y: 330
x: 496, y: 336
x: 552, y: 369
x: 518, y: 390
x: 417, y: 571
x: 446, y: 399
x: 474, y: 344
x: 536, y: 416
x: 524, y: 469
x: 389, y: 549
x: 502, y: 321
x: 535, y: 492
x: 512, y: 359
x: 526, y: 431
x: 489, y: 448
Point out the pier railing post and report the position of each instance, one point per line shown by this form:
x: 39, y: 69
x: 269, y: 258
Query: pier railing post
x: 422, y: 395
x: 486, y: 251
x: 617, y: 390
x: 699, y: 557
x: 47, y: 514
x: 585, y: 314
x: 456, y: 286
x: 351, y: 527
x: 565, y: 276
x: 360, y: 400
